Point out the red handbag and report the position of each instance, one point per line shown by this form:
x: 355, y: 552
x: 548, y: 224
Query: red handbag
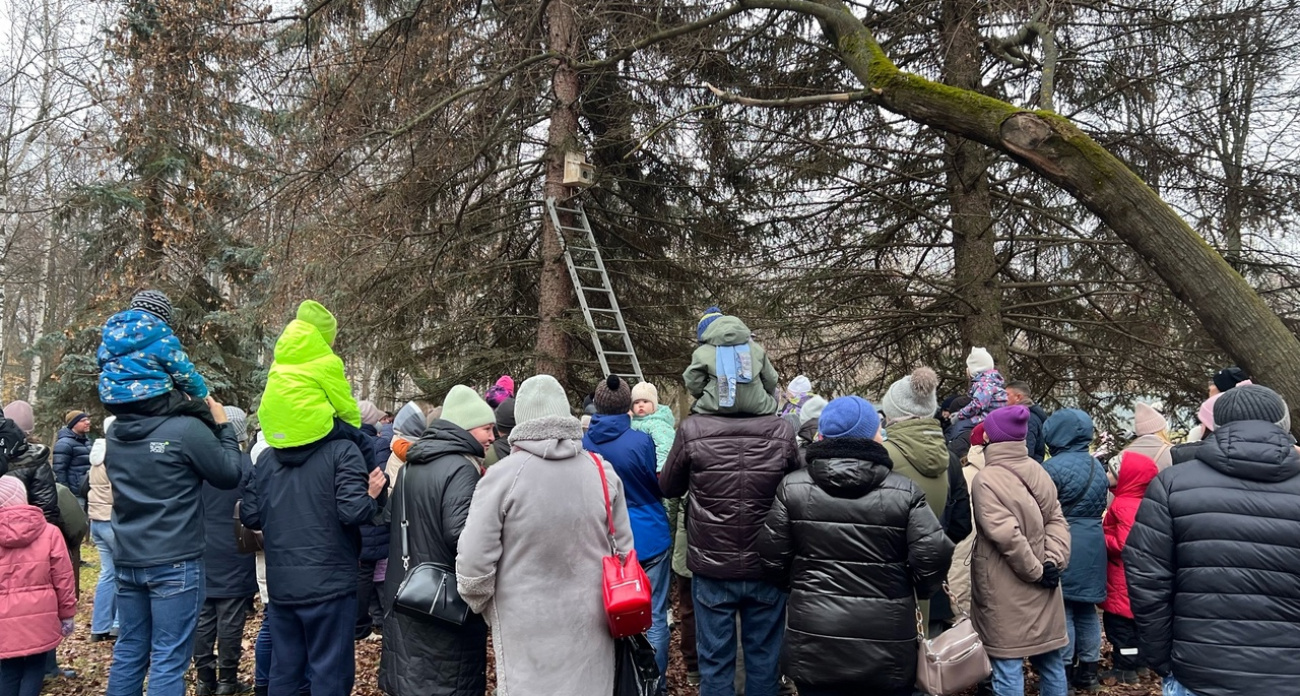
x: 626, y: 587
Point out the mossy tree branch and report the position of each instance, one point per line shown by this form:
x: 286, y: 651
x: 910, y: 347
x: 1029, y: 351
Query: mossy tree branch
x: 1051, y: 145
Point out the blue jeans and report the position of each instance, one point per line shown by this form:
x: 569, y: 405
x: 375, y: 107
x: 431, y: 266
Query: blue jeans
x: 104, y: 617
x: 22, y: 676
x: 1083, y: 625
x: 761, y: 608
x: 1009, y: 674
x: 660, y: 571
x: 159, y: 610
x: 1171, y: 687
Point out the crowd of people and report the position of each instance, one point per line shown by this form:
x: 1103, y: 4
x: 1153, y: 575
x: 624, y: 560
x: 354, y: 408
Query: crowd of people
x: 808, y: 542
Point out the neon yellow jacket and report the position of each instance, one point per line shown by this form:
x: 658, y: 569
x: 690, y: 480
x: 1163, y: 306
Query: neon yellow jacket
x: 306, y: 387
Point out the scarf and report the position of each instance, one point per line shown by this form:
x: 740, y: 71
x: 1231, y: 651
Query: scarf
x: 735, y: 367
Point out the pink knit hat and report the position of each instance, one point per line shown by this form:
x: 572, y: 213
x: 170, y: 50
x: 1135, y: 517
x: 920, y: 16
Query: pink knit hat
x: 12, y: 492
x: 1147, y: 420
x: 1206, y: 412
x: 502, y: 390
x: 1007, y: 424
x: 370, y: 413
x: 20, y: 412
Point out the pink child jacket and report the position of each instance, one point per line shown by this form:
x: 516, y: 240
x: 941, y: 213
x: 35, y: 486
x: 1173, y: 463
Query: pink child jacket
x: 36, y: 584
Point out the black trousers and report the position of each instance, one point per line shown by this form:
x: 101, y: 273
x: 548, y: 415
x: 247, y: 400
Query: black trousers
x: 221, y: 624
x: 370, y: 599
x: 1122, y: 632
x: 846, y: 690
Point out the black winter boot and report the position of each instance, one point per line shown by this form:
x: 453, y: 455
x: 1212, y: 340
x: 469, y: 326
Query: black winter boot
x: 1085, y: 677
x: 229, y: 685
x: 205, y: 682
x: 260, y: 689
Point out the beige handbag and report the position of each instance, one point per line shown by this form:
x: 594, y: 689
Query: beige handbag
x: 953, y: 662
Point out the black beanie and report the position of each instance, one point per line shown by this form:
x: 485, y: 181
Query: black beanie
x: 1227, y: 378
x: 1249, y: 402
x: 506, y: 414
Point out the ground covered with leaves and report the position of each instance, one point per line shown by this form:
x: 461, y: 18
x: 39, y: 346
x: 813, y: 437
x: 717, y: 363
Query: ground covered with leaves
x: 92, y: 660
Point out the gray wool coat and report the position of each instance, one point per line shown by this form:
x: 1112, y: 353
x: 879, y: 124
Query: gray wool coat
x: 529, y: 560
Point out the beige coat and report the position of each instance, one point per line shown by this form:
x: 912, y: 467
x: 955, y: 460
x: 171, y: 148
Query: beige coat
x: 959, y: 571
x: 1018, y: 528
x: 1152, y: 446
x: 529, y: 560
x: 99, y: 499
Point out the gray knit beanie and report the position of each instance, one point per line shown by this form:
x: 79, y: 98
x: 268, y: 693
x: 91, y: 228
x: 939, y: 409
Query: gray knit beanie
x: 912, y: 396
x: 238, y: 420
x: 540, y: 396
x: 1251, y: 402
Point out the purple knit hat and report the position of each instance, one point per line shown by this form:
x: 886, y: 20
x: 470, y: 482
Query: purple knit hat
x: 1007, y: 424
x: 499, y: 392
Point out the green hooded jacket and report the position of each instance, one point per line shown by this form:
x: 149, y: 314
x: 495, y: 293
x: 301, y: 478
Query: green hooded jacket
x: 918, y: 451
x: 306, y: 387
x: 661, y: 426
x: 755, y: 398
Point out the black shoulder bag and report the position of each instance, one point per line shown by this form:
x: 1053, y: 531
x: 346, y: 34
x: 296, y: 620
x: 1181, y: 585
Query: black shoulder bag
x: 429, y: 589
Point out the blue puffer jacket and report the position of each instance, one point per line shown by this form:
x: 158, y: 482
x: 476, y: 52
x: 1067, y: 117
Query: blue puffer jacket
x: 72, y: 461
x: 140, y: 358
x: 1081, y: 488
x: 632, y: 454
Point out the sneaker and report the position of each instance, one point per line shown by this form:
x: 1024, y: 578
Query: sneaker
x: 693, y: 678
x: 101, y: 637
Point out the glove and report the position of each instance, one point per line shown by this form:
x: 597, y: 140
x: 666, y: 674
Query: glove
x: 68, y: 626
x: 1051, y: 576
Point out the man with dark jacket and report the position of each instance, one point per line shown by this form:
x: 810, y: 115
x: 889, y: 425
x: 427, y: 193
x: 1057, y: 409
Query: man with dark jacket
x: 731, y: 467
x: 1020, y: 394
x: 72, y: 455
x: 1212, y: 557
x: 231, y: 583
x: 505, y: 420
x: 432, y: 495
x: 308, y: 502
x: 159, y: 466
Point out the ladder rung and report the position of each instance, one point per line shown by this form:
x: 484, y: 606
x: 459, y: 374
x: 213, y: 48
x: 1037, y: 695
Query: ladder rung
x: 604, y: 290
x: 617, y: 352
x: 610, y: 331
x: 601, y: 309
x: 586, y: 268
x: 578, y: 248
x: 571, y: 211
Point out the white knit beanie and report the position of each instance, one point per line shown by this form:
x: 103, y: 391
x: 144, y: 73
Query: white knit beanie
x: 645, y: 391
x: 540, y: 396
x: 978, y: 361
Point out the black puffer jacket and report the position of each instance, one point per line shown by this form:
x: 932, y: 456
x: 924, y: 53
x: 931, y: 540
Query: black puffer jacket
x: 855, y: 543
x: 731, y: 467
x: 433, y: 492
x: 1211, y: 565
x: 32, y: 466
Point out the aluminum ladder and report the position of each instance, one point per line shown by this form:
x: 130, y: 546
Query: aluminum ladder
x: 600, y: 308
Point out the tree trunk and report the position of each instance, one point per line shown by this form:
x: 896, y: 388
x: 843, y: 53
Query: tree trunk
x: 555, y: 291
x: 969, y: 199
x: 1232, y: 312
